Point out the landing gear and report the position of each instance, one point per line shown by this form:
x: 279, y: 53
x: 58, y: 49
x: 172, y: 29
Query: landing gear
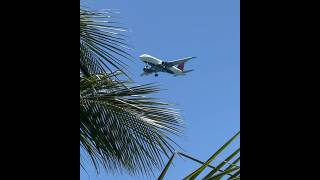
x: 156, y: 75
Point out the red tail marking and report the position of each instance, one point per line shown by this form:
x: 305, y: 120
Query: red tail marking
x: 181, y: 66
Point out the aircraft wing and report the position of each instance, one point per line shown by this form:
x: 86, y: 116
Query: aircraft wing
x: 179, y: 61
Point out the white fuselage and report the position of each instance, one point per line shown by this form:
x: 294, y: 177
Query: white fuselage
x: 157, y: 62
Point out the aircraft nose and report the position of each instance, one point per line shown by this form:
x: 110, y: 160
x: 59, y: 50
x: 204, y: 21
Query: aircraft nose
x: 142, y: 55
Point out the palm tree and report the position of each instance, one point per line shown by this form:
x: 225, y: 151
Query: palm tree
x: 121, y: 129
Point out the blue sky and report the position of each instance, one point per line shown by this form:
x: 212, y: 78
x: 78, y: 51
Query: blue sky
x: 209, y: 97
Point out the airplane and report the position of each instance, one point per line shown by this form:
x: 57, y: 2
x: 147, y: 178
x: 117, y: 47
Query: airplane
x: 157, y: 65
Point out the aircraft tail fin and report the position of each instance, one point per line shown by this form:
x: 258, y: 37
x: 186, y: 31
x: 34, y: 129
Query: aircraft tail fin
x: 181, y: 66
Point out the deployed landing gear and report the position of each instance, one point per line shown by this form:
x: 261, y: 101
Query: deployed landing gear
x: 156, y: 75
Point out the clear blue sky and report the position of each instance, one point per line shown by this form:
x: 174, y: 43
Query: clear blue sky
x: 209, y: 97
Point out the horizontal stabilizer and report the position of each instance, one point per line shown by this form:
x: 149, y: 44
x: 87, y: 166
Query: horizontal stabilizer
x: 188, y: 71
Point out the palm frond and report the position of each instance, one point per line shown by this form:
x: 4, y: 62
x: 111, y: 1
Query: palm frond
x: 102, y: 45
x: 217, y: 172
x: 121, y: 129
x: 164, y: 171
x: 197, y: 172
x: 214, y: 171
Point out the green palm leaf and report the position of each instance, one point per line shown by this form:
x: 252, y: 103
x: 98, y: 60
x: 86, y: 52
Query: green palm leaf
x: 220, y: 175
x: 236, y: 175
x: 214, y: 171
x: 121, y: 129
x: 217, y: 172
x: 197, y: 172
x: 163, y: 173
x: 101, y: 43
